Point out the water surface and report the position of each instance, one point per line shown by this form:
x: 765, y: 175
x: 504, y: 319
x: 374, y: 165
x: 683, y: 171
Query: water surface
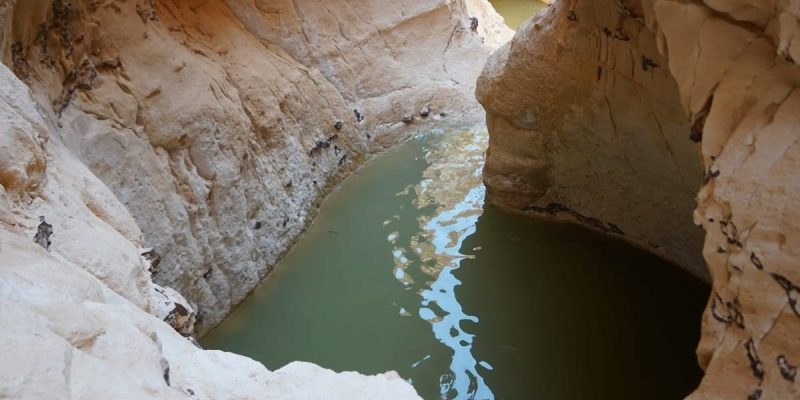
x: 405, y: 269
x: 515, y: 12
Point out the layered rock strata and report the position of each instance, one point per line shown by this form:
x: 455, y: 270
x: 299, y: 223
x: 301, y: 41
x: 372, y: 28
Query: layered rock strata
x: 596, y: 148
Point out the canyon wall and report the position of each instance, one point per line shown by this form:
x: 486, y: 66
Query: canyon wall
x: 568, y: 101
x: 222, y: 125
x: 189, y: 143
x: 76, y: 306
x: 729, y: 67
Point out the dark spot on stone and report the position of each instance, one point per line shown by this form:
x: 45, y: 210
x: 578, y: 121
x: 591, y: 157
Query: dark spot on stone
x: 572, y: 16
x: 788, y: 371
x: 181, y: 310
x: 343, y: 159
x: 442, y: 114
x: 207, y: 274
x: 696, y: 134
x: 166, y: 374
x: 338, y: 125
x: 756, y: 261
x: 648, y: 63
x: 792, y: 291
x: 755, y: 395
x: 257, y: 225
x: 735, y: 311
x: 473, y: 24
x: 620, y: 35
x: 709, y: 175
x: 285, y: 221
x: 43, y: 233
x: 154, y: 259
x: 110, y: 64
x: 719, y: 315
x: 755, y: 363
x: 358, y: 115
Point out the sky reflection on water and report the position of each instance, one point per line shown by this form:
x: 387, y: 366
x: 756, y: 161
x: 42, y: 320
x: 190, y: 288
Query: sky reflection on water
x: 452, y: 187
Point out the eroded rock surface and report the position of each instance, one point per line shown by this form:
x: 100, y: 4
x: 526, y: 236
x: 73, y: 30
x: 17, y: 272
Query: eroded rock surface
x: 190, y: 142
x: 594, y: 109
x: 204, y: 118
x: 82, y: 319
x: 567, y: 103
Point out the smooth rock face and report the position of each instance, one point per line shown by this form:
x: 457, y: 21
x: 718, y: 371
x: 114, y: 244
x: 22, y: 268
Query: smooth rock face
x: 732, y: 63
x: 568, y: 101
x: 203, y: 117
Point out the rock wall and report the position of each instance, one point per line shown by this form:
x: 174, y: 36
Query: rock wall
x: 733, y: 65
x: 190, y: 142
x: 76, y: 315
x: 567, y: 102
x: 222, y: 125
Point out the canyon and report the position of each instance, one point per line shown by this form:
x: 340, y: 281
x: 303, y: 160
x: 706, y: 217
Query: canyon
x: 158, y: 157
x: 215, y: 128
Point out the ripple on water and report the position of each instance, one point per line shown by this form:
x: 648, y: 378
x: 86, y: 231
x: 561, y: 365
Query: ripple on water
x: 452, y: 189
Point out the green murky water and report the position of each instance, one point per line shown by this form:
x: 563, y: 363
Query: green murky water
x: 515, y: 12
x: 405, y: 269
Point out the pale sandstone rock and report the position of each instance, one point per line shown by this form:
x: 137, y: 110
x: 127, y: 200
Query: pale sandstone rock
x: 75, y: 321
x: 203, y: 117
x: 733, y: 63
x: 567, y: 103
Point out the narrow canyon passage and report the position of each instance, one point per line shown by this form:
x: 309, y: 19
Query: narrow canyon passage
x: 406, y: 269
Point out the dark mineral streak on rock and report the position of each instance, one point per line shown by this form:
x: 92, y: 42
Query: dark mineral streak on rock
x: 152, y: 257
x: 554, y: 208
x: 755, y: 363
x: 755, y: 394
x: 788, y: 371
x: 792, y: 291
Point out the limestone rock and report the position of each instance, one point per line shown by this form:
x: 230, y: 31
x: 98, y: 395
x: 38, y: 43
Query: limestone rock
x: 169, y: 306
x: 196, y: 115
x: 193, y: 121
x: 83, y: 320
x: 729, y: 66
x: 580, y: 131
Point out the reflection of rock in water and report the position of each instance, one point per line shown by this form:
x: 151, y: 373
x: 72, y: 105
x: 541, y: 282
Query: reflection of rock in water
x: 451, y: 186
